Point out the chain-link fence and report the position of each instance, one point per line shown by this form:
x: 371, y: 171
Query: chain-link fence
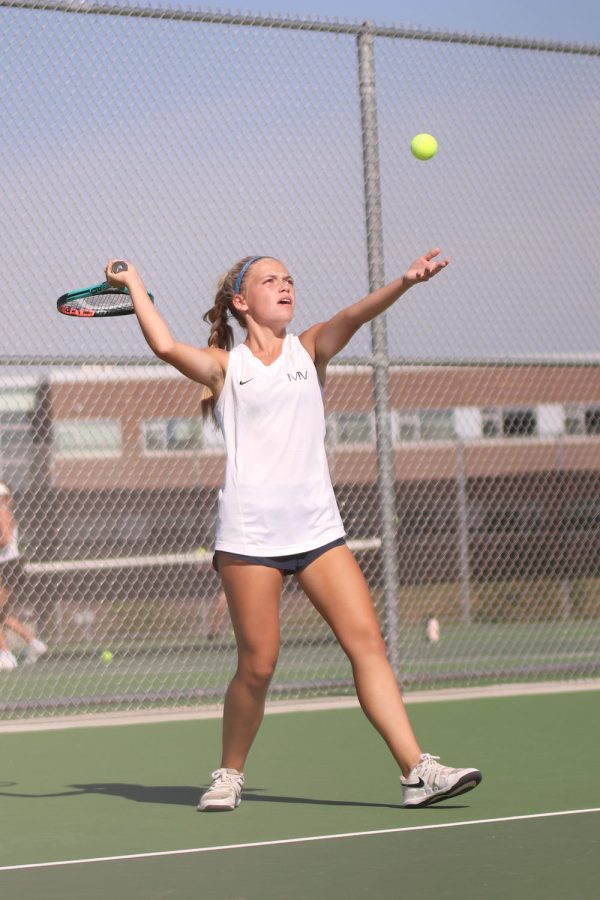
x: 463, y: 432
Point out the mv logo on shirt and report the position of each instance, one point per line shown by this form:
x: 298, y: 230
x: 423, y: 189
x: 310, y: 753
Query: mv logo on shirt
x: 302, y: 375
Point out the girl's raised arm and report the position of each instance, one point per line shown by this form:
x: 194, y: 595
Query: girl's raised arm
x: 206, y: 366
x: 324, y: 340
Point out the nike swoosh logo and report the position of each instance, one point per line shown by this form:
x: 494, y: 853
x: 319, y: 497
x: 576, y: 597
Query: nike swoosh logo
x: 418, y: 784
x: 247, y: 380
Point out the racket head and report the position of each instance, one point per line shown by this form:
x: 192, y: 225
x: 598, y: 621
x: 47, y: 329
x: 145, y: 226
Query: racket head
x: 97, y: 301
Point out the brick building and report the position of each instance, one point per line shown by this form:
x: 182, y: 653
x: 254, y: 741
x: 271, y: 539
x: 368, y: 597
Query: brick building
x: 503, y: 460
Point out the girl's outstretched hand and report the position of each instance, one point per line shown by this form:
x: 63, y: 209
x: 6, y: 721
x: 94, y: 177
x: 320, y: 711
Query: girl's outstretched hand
x: 425, y: 267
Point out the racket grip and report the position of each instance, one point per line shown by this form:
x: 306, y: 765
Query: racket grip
x: 118, y: 266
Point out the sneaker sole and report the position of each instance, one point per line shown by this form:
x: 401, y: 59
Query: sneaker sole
x: 462, y: 786
x: 216, y: 806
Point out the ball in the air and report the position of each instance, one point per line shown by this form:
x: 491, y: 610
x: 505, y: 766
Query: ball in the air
x: 106, y: 656
x: 424, y: 146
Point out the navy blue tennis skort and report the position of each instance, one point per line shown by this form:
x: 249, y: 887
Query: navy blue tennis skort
x: 289, y: 565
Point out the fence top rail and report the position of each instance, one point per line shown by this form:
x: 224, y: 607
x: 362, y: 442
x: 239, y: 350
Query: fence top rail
x: 183, y: 14
x: 109, y: 366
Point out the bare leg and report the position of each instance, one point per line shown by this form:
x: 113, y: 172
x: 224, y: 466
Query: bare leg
x: 4, y: 595
x: 26, y: 633
x: 337, y: 589
x: 253, y: 594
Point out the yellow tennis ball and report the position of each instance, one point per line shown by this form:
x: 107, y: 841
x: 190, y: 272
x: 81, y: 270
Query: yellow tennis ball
x: 424, y: 146
x: 106, y: 656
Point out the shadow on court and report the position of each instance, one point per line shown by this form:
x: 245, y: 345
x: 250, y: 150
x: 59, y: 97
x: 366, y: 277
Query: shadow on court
x: 184, y: 795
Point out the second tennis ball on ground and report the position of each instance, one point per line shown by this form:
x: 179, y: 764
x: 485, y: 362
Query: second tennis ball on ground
x: 424, y: 146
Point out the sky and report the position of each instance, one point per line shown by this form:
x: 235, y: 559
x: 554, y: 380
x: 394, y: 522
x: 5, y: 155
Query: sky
x: 230, y: 140
x: 577, y: 21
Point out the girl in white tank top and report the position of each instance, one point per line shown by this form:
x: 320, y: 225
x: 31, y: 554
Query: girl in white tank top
x: 277, y: 513
x: 277, y: 499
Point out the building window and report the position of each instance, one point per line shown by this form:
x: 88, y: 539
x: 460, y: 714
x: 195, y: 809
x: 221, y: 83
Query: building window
x: 574, y: 421
x: 582, y: 420
x: 491, y: 423
x: 406, y: 426
x: 87, y: 437
x: 423, y: 425
x: 509, y: 423
x: 437, y: 425
x: 519, y: 423
x: 351, y: 428
x: 592, y: 420
x: 177, y: 435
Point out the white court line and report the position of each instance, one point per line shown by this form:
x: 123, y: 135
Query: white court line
x: 300, y: 840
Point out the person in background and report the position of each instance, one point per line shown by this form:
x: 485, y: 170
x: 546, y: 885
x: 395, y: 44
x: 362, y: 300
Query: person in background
x: 432, y: 629
x: 11, y: 581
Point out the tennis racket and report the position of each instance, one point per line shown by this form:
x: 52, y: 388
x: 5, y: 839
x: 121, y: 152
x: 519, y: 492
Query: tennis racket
x: 98, y: 299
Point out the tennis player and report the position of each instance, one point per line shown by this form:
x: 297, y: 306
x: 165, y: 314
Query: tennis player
x: 277, y: 513
x: 11, y: 581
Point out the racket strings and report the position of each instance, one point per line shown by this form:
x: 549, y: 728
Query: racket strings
x: 110, y: 300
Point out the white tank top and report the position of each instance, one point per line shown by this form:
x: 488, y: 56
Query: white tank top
x: 277, y: 498
x: 11, y: 550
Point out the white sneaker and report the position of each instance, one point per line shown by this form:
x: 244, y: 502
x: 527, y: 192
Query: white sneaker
x: 7, y: 661
x: 225, y: 791
x: 35, y: 649
x: 429, y: 782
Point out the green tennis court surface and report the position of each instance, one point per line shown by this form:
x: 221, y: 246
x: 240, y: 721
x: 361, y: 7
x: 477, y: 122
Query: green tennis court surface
x: 324, y: 786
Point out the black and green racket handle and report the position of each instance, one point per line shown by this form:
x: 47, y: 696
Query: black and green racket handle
x: 118, y: 266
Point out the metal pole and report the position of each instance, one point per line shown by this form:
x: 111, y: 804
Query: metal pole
x: 565, y: 587
x: 383, y: 419
x: 463, y: 531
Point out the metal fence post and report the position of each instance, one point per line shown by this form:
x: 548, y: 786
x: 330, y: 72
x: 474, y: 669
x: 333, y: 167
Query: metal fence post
x: 379, y: 343
x: 463, y: 531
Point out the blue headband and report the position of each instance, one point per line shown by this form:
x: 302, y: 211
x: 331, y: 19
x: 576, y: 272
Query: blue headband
x: 242, y: 272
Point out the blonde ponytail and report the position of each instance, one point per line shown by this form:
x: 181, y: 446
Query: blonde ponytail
x: 221, y: 333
